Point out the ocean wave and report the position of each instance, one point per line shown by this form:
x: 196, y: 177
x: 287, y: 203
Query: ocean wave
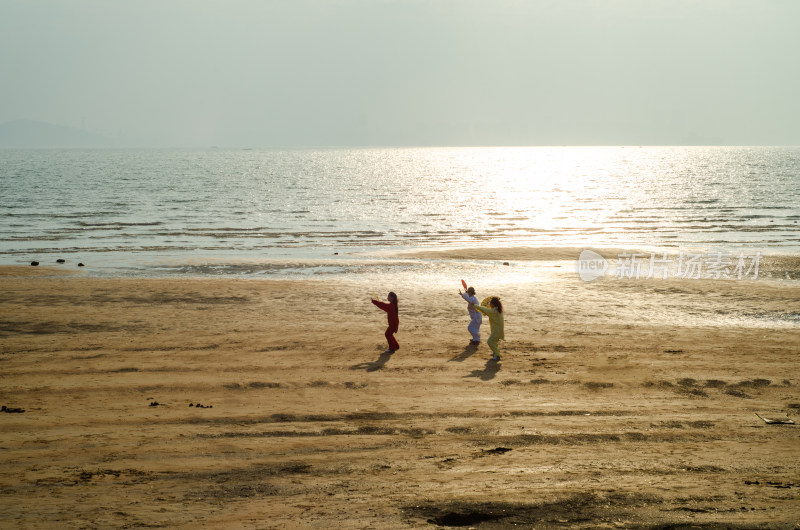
x: 119, y: 224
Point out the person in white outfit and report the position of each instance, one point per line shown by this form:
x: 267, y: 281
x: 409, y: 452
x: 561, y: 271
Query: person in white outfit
x: 475, y: 316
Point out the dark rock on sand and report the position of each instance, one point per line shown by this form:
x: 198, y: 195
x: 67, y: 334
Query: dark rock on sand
x: 59, y: 260
x: 81, y: 265
x: 12, y: 410
x: 34, y: 263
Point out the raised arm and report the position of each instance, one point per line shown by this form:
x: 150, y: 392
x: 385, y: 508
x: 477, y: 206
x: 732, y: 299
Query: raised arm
x: 383, y: 305
x: 484, y: 310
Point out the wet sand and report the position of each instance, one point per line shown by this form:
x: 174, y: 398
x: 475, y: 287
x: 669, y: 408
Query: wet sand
x: 617, y: 404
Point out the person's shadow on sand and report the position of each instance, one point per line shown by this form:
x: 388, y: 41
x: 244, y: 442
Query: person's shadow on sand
x: 488, y: 372
x: 374, y: 365
x: 467, y: 353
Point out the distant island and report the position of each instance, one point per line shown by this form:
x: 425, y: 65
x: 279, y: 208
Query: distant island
x: 36, y: 134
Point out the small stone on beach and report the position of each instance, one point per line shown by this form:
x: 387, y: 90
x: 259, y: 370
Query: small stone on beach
x: 498, y: 450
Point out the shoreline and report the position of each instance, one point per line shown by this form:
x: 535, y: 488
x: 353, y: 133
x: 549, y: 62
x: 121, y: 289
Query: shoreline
x: 777, y: 266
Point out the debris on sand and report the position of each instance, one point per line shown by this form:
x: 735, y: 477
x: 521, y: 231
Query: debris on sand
x: 776, y: 419
x: 497, y: 450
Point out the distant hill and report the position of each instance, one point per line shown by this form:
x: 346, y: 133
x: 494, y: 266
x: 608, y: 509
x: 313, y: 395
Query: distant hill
x: 28, y: 133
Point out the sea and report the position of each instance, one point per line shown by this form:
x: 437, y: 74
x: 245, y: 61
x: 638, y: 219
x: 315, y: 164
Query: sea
x: 284, y: 212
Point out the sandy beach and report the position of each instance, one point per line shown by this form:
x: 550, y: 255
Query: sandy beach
x: 238, y: 403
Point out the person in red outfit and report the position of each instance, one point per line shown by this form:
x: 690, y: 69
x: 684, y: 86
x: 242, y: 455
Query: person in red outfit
x: 394, y: 321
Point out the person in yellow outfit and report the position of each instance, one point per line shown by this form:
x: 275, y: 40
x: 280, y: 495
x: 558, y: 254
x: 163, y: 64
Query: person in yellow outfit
x: 494, y: 310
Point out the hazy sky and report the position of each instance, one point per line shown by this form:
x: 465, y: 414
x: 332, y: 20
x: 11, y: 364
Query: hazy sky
x: 417, y: 72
